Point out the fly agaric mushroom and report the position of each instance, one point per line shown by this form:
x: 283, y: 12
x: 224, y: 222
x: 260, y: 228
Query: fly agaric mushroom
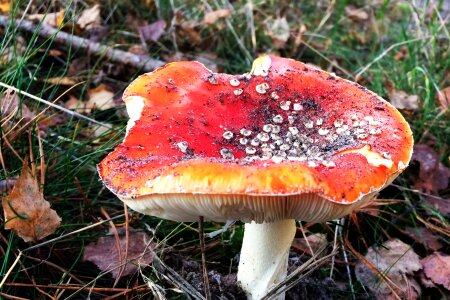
x: 286, y: 141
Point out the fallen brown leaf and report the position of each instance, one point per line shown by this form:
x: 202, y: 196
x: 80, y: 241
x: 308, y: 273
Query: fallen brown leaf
x: 398, y: 262
x: 442, y: 205
x: 316, y: 241
x: 437, y: 268
x: 279, y: 31
x: 5, y: 6
x: 187, y: 30
x: 27, y: 213
x: 433, y: 175
x: 424, y: 236
x: 356, y: 14
x: 14, y: 52
x: 105, y: 255
x: 54, y: 20
x: 212, y: 16
x: 12, y: 111
x: 10, y: 103
x: 100, y: 97
x: 403, y: 100
x: 443, y: 98
x: 74, y: 104
x: 152, y: 32
x: 90, y: 17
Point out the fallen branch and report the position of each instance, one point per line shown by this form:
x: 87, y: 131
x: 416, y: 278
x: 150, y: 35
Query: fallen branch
x: 45, y: 31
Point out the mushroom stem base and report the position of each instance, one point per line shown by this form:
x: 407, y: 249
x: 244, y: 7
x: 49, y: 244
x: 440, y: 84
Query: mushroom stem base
x: 264, y: 256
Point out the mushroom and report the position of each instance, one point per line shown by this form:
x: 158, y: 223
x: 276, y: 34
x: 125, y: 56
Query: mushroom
x: 285, y: 142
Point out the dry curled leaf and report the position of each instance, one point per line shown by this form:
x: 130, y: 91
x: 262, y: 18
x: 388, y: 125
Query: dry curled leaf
x: 152, y: 32
x: 424, y: 236
x: 27, y: 213
x: 105, y: 254
x: 13, y: 53
x: 10, y: 106
x: 89, y: 18
x: 397, y: 261
x: 433, y: 175
x: 187, y: 30
x: 279, y: 31
x: 403, y: 100
x: 13, y: 112
x: 356, y: 14
x: 100, y: 97
x: 437, y: 268
x: 212, y: 16
x: 54, y: 20
x: 443, y: 98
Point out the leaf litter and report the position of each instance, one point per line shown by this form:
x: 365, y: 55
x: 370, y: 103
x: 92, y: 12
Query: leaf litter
x: 101, y: 98
x: 104, y: 253
x: 89, y: 17
x: 213, y: 16
x: 10, y: 105
x: 190, y: 34
x: 398, y: 262
x: 424, y: 236
x: 27, y: 213
x: 403, y: 100
x: 433, y: 175
x: 436, y: 268
x: 152, y: 32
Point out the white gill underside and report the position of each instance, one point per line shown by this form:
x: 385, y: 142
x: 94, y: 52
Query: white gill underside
x: 221, y: 208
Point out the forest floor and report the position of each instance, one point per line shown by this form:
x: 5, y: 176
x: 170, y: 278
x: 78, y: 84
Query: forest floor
x: 63, y: 68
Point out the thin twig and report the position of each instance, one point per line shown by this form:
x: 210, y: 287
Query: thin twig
x: 77, y: 287
x: 43, y: 30
x: 72, y: 233
x: 43, y: 261
x: 118, y: 244
x: 292, y: 279
x: 306, y: 239
x: 6, y: 296
x: 10, y: 269
x: 127, y: 235
x: 334, y: 248
x: 202, y: 248
x: 416, y: 191
x: 175, y: 278
x: 344, y: 252
x: 67, y: 111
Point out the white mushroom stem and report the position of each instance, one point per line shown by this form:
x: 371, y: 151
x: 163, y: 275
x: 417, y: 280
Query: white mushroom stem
x: 264, y: 256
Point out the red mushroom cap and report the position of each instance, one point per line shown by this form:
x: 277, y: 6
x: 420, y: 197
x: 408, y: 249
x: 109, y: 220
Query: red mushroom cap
x: 286, y: 136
